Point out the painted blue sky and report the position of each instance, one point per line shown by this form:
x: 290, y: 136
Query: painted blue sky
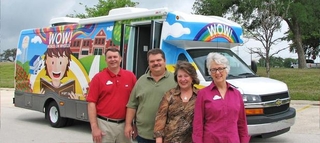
x: 35, y: 46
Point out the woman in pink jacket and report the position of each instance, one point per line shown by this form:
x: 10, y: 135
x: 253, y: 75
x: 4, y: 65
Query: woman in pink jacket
x: 219, y: 115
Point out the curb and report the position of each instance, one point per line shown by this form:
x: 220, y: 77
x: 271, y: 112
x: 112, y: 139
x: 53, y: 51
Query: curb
x: 6, y: 89
x: 305, y: 102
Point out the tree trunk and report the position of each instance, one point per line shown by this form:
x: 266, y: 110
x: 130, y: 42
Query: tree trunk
x: 299, y: 48
x: 268, y: 66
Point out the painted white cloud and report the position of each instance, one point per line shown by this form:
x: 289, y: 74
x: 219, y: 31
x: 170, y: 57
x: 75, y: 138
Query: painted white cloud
x: 18, y: 52
x: 36, y: 39
x: 175, y: 30
x: 110, y: 28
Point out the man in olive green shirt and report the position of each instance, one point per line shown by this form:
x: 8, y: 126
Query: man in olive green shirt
x: 146, y: 96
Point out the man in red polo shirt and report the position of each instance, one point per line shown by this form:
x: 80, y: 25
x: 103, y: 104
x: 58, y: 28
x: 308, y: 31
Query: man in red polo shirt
x: 108, y: 95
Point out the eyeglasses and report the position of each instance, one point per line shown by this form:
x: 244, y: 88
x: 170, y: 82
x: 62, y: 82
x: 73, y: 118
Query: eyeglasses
x: 214, y: 70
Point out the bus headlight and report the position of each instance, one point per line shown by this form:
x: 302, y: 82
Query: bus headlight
x: 251, y: 98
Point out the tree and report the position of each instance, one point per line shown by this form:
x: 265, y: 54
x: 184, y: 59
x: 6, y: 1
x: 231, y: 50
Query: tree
x: 102, y: 8
x: 298, y: 14
x: 274, y: 62
x: 310, y: 42
x: 9, y: 55
x: 288, y: 61
x: 302, y: 19
x: 261, y: 27
x: 277, y: 62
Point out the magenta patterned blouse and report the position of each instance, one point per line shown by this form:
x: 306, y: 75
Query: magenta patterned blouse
x: 218, y: 120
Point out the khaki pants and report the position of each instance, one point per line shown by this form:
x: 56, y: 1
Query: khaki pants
x: 114, y: 132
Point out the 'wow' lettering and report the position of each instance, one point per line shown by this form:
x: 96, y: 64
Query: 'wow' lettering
x: 60, y: 38
x: 218, y: 29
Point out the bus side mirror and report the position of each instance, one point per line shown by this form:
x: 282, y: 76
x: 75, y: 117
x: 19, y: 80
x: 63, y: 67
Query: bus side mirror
x: 254, y: 66
x: 206, y: 69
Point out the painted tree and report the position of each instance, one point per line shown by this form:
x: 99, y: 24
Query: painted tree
x: 298, y: 14
x: 102, y: 8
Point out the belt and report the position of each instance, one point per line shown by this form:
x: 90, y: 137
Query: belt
x: 110, y: 120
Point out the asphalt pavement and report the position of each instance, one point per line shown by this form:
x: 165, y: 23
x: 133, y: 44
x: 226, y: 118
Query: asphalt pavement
x: 24, y: 126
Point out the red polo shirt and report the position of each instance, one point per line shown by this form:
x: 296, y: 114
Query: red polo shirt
x: 111, y: 92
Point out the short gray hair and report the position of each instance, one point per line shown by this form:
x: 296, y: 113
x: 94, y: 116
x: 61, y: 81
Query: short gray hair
x: 219, y: 59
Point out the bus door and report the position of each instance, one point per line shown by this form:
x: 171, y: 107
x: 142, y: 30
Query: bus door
x: 146, y: 37
x: 155, y: 34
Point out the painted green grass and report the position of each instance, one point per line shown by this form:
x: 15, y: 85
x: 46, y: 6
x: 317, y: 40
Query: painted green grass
x: 87, y: 62
x: 303, y: 84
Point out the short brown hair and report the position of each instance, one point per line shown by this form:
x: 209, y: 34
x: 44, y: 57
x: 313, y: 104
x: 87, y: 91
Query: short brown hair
x: 189, y: 69
x: 112, y: 49
x: 154, y: 52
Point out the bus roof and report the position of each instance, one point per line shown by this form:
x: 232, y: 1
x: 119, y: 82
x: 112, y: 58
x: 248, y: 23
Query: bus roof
x: 114, y: 15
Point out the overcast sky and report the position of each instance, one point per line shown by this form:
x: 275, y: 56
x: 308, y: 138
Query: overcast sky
x: 17, y: 15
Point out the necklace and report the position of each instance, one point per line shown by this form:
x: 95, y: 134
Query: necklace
x: 185, y: 98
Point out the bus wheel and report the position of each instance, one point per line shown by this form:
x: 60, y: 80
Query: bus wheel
x: 53, y: 114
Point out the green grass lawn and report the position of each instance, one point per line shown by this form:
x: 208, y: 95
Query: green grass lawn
x: 303, y: 84
x: 6, y: 74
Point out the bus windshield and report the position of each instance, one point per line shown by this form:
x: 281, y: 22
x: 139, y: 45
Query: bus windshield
x: 238, y: 68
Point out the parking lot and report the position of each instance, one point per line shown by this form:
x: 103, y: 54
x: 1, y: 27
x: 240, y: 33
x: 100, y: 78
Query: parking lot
x: 25, y: 126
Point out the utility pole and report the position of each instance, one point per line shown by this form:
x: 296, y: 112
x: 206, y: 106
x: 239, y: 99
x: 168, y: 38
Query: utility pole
x: 250, y: 54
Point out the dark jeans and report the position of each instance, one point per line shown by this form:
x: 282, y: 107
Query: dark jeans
x: 143, y: 140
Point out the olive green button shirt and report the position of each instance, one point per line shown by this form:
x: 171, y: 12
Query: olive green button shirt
x: 145, y: 98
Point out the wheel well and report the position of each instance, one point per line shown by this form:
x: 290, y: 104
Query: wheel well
x: 48, y: 101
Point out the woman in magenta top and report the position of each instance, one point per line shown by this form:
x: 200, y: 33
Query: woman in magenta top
x: 219, y: 115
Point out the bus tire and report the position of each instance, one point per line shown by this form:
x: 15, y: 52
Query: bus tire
x: 53, y: 114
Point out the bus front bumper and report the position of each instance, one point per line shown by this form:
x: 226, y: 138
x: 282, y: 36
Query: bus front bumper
x: 268, y: 126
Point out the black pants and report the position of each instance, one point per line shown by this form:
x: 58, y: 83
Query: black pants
x: 143, y: 140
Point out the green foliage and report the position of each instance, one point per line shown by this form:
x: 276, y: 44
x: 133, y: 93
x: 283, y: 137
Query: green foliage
x: 25, y: 65
x: 103, y: 7
x: 288, y: 61
x: 277, y: 62
x: 213, y: 7
x: 303, y: 20
x: 8, y: 55
x: 308, y: 16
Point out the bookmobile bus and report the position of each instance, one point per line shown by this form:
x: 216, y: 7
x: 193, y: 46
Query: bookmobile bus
x: 54, y: 65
